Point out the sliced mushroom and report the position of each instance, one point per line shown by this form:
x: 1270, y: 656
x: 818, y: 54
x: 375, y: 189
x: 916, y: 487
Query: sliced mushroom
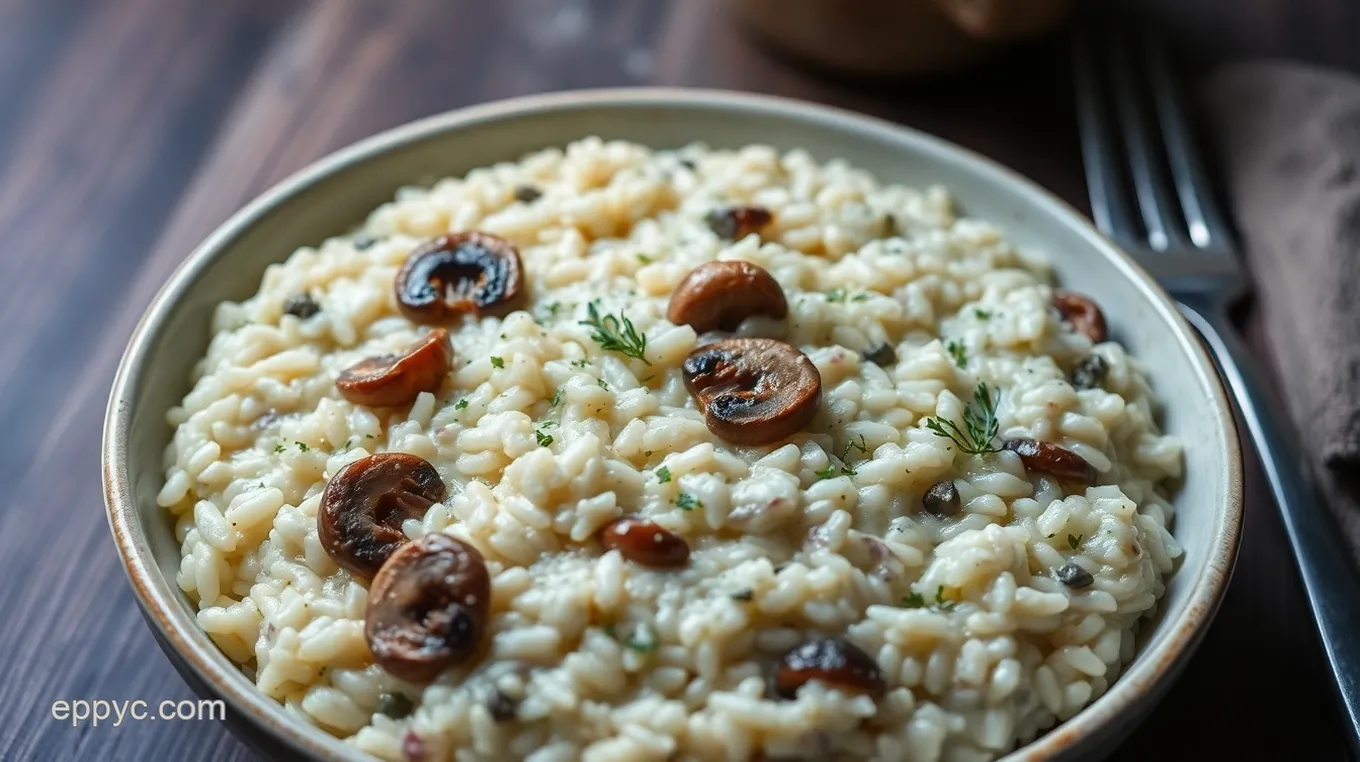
x: 719, y: 295
x: 301, y: 306
x: 1048, y: 458
x: 364, y: 504
x: 737, y: 222
x: 644, y: 542
x: 753, y: 391
x: 882, y: 355
x: 501, y: 707
x: 836, y: 662
x: 427, y: 608
x: 1090, y: 372
x: 1072, y: 575
x: 1082, y: 313
x: 942, y: 499
x: 396, y: 380
x: 459, y: 273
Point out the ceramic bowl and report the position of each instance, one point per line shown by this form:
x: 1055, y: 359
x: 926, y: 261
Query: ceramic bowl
x: 336, y: 193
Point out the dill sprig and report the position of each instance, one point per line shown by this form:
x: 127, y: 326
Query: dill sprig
x: 615, y: 334
x: 980, y: 426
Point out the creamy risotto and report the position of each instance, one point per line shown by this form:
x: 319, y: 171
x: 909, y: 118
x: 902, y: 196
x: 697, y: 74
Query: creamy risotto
x: 515, y: 471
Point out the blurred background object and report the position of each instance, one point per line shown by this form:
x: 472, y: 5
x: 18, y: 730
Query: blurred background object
x: 893, y: 37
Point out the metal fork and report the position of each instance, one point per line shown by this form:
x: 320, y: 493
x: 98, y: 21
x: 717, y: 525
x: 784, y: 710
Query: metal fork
x: 1150, y: 194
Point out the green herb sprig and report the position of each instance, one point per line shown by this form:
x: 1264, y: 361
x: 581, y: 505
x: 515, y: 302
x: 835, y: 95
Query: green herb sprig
x: 615, y: 334
x: 980, y: 426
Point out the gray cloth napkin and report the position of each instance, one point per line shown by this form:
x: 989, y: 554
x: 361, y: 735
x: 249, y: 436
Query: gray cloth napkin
x: 1287, y: 139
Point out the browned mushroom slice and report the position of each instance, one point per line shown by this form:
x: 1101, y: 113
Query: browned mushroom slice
x: 753, y: 391
x: 427, y: 608
x: 364, y: 504
x: 836, y: 662
x: 456, y: 274
x: 396, y: 380
x: 719, y: 295
x: 1048, y: 458
x: 737, y: 222
x: 1082, y: 313
x: 646, y: 543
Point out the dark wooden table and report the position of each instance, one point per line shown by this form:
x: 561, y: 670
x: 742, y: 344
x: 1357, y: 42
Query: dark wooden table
x: 130, y: 128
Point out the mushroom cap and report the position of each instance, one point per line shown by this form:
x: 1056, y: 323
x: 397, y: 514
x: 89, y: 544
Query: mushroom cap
x: 459, y: 273
x: 1049, y: 458
x: 719, y: 295
x: 396, y: 380
x: 364, y: 504
x: 1083, y: 313
x: 942, y: 499
x: 427, y: 607
x: 645, y: 542
x: 737, y: 222
x: 753, y: 391
x: 836, y: 662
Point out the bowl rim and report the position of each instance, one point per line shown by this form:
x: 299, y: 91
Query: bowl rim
x: 159, y: 596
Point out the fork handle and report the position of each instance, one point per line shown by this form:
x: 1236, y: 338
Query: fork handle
x: 1329, y: 579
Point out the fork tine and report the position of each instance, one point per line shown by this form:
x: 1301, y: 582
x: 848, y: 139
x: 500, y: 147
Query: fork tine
x: 1150, y: 181
x: 1110, y: 204
x: 1202, y: 218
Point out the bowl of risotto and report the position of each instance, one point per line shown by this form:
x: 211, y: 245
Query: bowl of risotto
x: 670, y: 425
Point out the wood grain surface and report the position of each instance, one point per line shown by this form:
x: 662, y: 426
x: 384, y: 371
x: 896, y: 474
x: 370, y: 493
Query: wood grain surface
x: 130, y: 128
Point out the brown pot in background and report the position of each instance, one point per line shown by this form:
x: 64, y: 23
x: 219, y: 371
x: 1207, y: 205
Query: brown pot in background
x: 894, y: 37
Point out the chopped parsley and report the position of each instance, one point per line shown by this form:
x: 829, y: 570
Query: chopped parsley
x: 982, y: 314
x: 278, y: 448
x: 580, y: 363
x: 1074, y: 541
x: 687, y: 502
x: 497, y: 362
x: 663, y: 474
x: 826, y: 473
x: 958, y: 352
x: 744, y: 594
x: 602, y: 384
x: 941, y: 602
x: 301, y: 446
x: 862, y: 296
x: 556, y: 398
x: 615, y: 333
x: 980, y: 426
x: 546, y: 312
x: 642, y: 640
x: 461, y: 404
x: 915, y: 600
x: 644, y: 259
x: 543, y: 439
x: 836, y: 296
